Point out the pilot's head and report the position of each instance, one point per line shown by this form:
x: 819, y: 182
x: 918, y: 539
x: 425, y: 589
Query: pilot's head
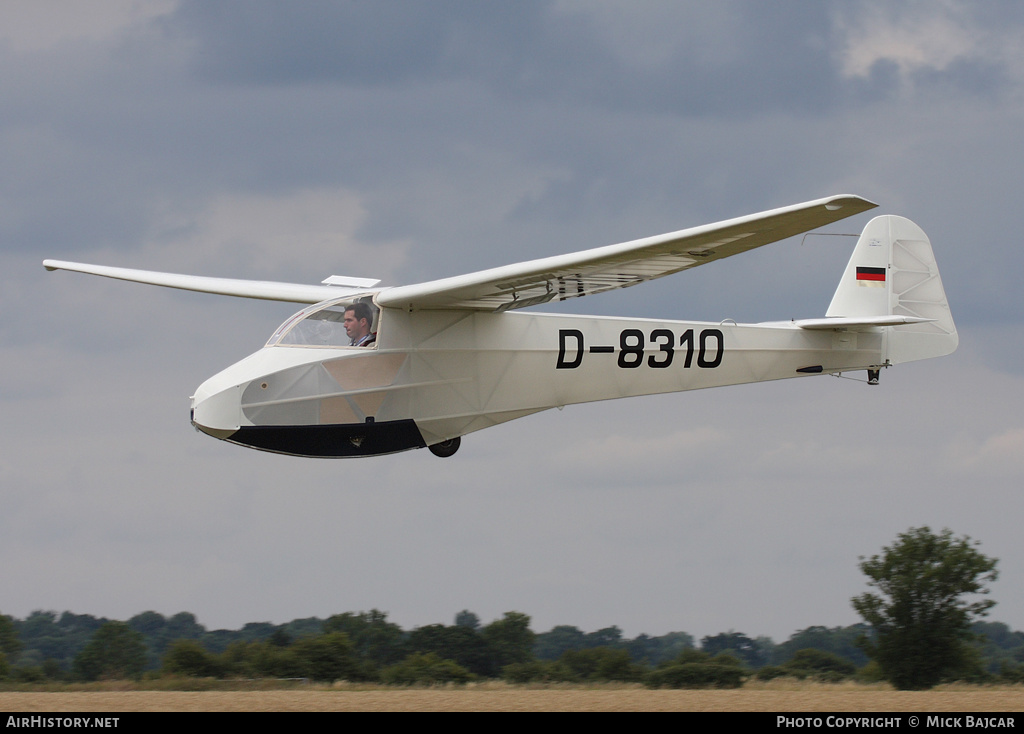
x: 358, y: 318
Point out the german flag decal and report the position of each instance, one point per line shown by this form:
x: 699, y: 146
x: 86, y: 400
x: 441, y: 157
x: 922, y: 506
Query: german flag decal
x: 871, y: 277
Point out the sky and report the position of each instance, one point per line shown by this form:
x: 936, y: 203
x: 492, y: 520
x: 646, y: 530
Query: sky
x: 411, y: 141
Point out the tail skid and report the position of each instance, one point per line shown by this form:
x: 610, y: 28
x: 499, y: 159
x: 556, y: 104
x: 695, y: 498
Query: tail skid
x: 892, y: 275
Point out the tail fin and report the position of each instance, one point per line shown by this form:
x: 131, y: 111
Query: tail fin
x: 893, y: 272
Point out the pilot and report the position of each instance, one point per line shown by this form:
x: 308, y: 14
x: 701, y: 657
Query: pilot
x: 358, y: 318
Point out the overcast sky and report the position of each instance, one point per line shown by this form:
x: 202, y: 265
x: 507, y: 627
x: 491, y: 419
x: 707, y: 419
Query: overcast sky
x: 414, y: 140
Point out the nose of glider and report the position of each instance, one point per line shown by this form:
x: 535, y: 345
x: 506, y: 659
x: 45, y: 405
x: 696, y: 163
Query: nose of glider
x: 217, y: 412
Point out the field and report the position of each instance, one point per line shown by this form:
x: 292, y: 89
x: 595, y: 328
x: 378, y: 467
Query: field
x: 772, y: 696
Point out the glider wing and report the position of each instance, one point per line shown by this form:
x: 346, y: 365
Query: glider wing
x: 618, y: 266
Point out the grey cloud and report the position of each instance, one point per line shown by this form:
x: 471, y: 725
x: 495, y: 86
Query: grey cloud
x: 763, y: 58
x: 369, y: 43
x: 519, y: 50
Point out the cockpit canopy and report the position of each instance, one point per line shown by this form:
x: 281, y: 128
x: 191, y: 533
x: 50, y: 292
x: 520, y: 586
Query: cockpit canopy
x: 345, y: 322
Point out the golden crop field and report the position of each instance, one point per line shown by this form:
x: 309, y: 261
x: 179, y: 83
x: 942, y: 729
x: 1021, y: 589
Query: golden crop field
x: 772, y: 696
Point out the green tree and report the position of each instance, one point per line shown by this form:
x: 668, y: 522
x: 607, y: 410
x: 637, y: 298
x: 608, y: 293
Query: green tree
x: 698, y: 669
x: 114, y: 652
x: 551, y: 645
x: 821, y: 664
x: 922, y: 615
x: 425, y: 669
x: 510, y: 640
x: 10, y: 645
x: 45, y: 636
x: 1000, y: 647
x: 602, y: 664
x: 280, y: 638
x: 736, y: 643
x: 373, y: 637
x: 267, y: 660
x: 466, y: 618
x: 305, y: 627
x: 189, y: 658
x: 183, y: 626
x: 148, y: 624
x: 459, y: 643
x: 605, y: 637
x: 656, y: 650
x: 841, y: 641
x: 327, y: 657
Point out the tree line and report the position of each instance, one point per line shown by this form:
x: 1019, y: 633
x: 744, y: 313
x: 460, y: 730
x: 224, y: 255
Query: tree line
x: 366, y: 646
x: 922, y: 627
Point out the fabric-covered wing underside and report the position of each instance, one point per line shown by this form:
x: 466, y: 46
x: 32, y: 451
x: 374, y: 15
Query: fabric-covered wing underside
x: 618, y: 266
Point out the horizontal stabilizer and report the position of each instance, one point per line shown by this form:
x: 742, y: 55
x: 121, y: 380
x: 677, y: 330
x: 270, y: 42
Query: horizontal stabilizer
x: 858, y: 324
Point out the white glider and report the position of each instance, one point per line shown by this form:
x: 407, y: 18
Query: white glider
x: 366, y: 370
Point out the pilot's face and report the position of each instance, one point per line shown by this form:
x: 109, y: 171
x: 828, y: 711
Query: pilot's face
x: 354, y: 327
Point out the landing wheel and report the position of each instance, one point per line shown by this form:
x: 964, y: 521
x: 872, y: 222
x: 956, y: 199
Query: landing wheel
x: 446, y: 448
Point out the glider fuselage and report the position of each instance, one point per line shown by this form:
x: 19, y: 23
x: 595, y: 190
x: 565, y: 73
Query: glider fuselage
x: 436, y: 375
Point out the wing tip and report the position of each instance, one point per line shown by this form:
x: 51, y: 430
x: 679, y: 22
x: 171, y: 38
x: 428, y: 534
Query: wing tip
x: 842, y: 201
